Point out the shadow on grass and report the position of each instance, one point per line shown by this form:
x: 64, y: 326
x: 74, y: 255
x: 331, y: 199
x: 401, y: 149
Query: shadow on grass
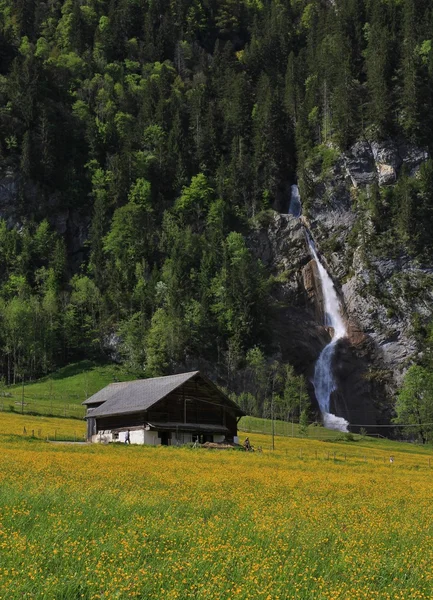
x: 73, y: 369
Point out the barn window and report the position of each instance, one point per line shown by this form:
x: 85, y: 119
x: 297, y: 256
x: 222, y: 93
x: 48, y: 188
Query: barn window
x: 115, y: 435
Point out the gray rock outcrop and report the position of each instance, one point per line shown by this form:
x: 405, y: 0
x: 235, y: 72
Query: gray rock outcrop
x: 367, y: 162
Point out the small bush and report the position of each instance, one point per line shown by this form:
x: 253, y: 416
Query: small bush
x: 345, y: 437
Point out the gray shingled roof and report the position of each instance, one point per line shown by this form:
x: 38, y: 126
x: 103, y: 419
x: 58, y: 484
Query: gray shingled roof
x: 106, y: 393
x: 134, y: 396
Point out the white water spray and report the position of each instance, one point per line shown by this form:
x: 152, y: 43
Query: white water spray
x: 324, y: 383
x: 295, y: 206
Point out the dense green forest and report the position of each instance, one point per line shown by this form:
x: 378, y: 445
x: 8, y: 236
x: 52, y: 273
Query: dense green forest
x: 165, y: 129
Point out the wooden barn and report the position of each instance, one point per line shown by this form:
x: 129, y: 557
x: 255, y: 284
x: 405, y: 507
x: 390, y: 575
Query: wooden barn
x: 172, y: 410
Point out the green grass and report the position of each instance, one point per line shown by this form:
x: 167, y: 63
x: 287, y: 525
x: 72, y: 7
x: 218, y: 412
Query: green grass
x: 62, y: 392
x: 283, y: 428
x: 261, y: 431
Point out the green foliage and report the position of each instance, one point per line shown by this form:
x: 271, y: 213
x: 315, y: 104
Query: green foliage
x: 303, y: 423
x: 273, y: 387
x: 414, y: 404
x: 193, y: 203
x: 295, y: 398
x: 164, y: 343
x: 322, y: 159
x: 239, y: 292
x: 124, y: 242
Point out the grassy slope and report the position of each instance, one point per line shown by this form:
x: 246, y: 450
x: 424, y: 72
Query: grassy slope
x: 122, y: 522
x: 63, y: 392
x: 282, y: 428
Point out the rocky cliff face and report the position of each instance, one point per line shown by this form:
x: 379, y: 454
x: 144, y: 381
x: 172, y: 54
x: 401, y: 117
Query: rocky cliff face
x: 379, y: 295
x: 18, y: 197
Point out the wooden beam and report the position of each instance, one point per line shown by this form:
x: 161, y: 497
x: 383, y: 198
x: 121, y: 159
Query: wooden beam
x: 184, y: 405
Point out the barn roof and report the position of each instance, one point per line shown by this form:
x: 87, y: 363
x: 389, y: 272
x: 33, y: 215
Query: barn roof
x: 138, y: 396
x: 106, y: 393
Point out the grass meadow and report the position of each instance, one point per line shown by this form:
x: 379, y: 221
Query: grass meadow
x: 311, y: 520
x: 62, y: 392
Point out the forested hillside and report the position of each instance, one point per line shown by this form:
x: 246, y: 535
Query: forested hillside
x: 142, y: 141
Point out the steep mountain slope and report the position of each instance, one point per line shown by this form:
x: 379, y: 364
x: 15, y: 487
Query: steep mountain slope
x: 143, y: 147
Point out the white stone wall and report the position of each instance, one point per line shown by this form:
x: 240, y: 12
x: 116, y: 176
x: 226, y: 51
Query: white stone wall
x: 102, y: 437
x: 136, y: 436
x: 149, y: 438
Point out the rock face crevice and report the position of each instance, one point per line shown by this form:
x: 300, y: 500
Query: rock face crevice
x: 313, y: 290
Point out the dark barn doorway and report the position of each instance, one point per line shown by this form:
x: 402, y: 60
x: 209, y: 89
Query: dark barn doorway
x: 163, y: 436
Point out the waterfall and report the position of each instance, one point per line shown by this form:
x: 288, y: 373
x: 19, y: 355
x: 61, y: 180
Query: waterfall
x: 323, y: 381
x: 295, y: 206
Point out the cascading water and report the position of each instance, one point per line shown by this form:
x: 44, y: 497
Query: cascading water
x: 324, y: 383
x: 295, y: 206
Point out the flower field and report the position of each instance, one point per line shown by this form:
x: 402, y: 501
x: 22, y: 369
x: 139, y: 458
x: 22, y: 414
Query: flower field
x: 122, y: 522
x: 42, y: 427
